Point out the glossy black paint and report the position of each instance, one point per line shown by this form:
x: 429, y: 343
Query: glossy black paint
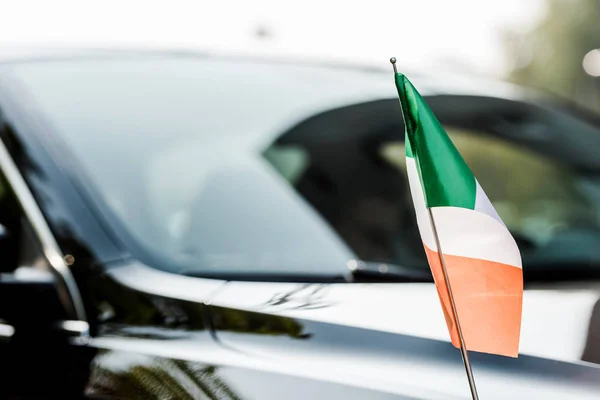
x: 154, y: 378
x: 310, y: 336
x: 155, y: 368
x: 158, y: 378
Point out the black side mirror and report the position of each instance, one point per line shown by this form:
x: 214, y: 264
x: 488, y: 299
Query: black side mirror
x: 43, y: 344
x: 9, y: 246
x: 28, y: 297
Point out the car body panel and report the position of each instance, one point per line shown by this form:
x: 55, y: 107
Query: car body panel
x: 555, y: 323
x: 388, y: 337
x: 153, y: 327
x: 132, y: 369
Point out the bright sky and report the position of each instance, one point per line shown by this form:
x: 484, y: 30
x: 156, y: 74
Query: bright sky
x: 420, y: 33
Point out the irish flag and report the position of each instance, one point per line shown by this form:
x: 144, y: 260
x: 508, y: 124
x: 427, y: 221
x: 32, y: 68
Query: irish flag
x: 460, y: 227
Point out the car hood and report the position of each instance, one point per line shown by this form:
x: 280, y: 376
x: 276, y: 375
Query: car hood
x: 556, y: 324
x: 399, y: 330
x: 388, y: 338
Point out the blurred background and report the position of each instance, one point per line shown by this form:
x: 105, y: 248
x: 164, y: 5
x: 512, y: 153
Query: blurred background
x: 548, y: 44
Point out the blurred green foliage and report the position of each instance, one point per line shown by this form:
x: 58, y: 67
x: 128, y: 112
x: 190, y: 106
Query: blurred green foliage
x: 228, y: 319
x: 535, y: 195
x: 550, y: 56
x: 157, y: 378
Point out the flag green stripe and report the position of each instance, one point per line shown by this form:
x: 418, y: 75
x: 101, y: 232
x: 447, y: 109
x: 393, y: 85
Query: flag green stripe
x: 409, y: 152
x: 447, y: 179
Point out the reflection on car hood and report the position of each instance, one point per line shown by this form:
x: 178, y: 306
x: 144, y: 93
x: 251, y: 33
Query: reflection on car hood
x: 555, y: 323
x: 396, y: 333
x: 390, y: 338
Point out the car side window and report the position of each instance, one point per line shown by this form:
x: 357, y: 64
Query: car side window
x: 360, y: 189
x: 539, y: 198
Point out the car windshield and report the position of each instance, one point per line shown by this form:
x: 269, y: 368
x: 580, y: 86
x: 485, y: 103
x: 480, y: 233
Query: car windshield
x: 208, y: 166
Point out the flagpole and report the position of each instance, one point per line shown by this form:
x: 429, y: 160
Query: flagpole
x: 463, y: 348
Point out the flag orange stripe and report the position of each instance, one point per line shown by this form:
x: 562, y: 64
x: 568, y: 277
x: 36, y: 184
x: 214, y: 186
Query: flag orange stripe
x: 488, y: 297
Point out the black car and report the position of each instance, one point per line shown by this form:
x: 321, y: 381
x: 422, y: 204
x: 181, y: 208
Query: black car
x: 178, y: 225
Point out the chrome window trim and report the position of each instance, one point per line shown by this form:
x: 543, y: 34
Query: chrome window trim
x: 67, y: 287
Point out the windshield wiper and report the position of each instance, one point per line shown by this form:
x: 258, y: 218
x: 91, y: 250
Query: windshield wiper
x: 358, y: 272
x: 370, y: 272
x: 267, y: 277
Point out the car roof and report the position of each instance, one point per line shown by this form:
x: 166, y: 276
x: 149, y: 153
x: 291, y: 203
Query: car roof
x: 428, y: 83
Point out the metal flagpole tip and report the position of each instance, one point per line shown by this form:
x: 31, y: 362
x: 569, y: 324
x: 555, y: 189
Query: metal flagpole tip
x: 393, y: 61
